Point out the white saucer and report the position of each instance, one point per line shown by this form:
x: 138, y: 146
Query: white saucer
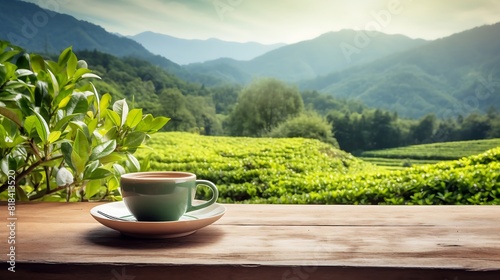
x: 187, y: 224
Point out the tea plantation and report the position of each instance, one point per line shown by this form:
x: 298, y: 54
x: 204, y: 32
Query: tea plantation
x: 303, y: 171
x: 398, y: 158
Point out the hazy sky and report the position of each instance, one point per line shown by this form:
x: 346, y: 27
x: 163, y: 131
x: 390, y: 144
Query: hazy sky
x: 287, y: 21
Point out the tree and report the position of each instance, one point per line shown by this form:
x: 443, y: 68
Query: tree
x: 309, y: 125
x: 263, y: 105
x: 424, y: 130
x: 174, y: 105
x: 474, y: 127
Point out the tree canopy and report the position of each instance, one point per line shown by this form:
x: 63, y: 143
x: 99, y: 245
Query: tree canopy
x: 263, y: 105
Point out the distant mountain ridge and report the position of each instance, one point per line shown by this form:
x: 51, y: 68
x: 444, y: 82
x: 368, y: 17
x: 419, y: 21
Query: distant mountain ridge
x: 184, y: 51
x: 306, y: 59
x: 451, y: 76
x: 40, y: 30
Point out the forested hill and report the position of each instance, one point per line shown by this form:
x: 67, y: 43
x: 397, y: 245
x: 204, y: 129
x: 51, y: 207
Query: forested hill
x: 44, y: 31
x: 451, y: 76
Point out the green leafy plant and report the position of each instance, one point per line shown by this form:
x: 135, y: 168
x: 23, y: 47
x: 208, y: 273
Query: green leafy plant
x: 59, y: 139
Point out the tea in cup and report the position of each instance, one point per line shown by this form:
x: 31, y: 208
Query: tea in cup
x: 162, y: 195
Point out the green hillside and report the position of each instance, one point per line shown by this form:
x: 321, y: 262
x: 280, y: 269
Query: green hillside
x: 261, y: 170
x: 451, y: 76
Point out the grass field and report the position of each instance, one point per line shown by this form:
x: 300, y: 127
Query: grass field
x: 398, y: 158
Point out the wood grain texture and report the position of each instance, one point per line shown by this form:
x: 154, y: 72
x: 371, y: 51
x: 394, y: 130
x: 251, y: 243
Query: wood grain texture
x: 265, y: 242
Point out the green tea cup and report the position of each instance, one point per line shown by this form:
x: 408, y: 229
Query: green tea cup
x: 162, y: 195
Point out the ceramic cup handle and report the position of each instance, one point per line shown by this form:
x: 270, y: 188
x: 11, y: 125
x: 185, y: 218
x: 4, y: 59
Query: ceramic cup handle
x: 215, y: 195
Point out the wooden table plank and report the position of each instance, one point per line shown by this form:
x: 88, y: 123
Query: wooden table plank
x: 275, y: 241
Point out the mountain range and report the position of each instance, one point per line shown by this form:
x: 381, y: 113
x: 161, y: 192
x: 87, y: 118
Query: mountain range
x: 333, y: 51
x: 451, y: 76
x: 184, y: 51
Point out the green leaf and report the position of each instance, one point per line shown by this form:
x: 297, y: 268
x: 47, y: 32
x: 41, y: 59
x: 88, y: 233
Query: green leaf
x: 111, y: 134
x: 134, y: 139
x: 54, y: 136
x: 7, y: 71
x: 134, y: 118
x: 114, y: 117
x: 61, y: 124
x: 65, y: 56
x: 71, y: 65
x: 80, y: 73
x: 92, y: 124
x: 67, y: 151
x: 7, y: 55
x: 99, y: 173
x: 41, y: 93
x: 113, y: 184
x: 90, y: 75
x: 158, y: 123
x: 11, y: 115
x: 132, y: 163
x: 42, y: 128
x: 79, y: 125
x: 104, y: 104
x: 25, y: 105
x: 81, y: 146
x: 64, y: 177
x: 113, y: 157
x: 103, y: 149
x: 23, y: 72
x: 37, y: 63
x: 55, y: 84
x: 77, y: 104
x: 77, y: 162
x: 121, y: 108
x: 145, y: 124
x: 30, y: 124
x: 64, y: 102
x: 8, y: 164
x: 92, y: 188
x: 145, y: 163
x: 119, y: 169
x: 91, y: 166
x: 97, y: 101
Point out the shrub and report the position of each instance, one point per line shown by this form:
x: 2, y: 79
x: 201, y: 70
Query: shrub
x: 309, y: 125
x: 59, y: 140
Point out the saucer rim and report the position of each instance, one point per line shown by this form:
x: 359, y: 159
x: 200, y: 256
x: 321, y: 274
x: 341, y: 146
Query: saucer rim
x: 162, y: 229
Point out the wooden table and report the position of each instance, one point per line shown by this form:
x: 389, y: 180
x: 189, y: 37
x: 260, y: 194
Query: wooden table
x: 295, y: 242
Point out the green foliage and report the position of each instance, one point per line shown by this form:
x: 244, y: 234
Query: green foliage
x: 190, y: 106
x: 60, y: 138
x: 437, y: 151
x: 303, y: 171
x: 308, y: 125
x: 262, y: 106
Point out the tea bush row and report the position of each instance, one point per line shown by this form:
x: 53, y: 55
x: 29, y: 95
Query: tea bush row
x: 302, y: 171
x: 437, y: 151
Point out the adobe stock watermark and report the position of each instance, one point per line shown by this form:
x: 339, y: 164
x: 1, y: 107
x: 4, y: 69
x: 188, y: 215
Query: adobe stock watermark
x: 121, y: 276
x: 222, y: 7
x: 380, y: 21
x: 11, y: 220
x: 31, y: 25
